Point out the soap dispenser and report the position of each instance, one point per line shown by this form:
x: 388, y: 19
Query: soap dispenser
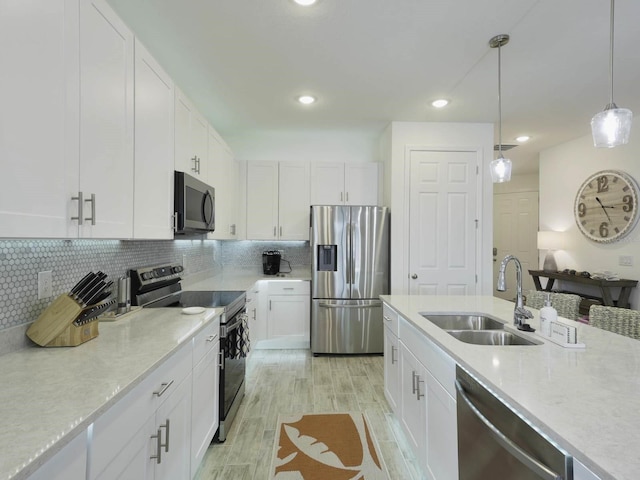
x: 548, y: 314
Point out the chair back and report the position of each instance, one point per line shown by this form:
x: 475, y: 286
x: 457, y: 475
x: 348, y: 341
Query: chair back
x: 617, y: 320
x: 566, y: 304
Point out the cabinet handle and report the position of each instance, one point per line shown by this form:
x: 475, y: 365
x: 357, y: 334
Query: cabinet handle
x: 92, y: 200
x: 232, y: 229
x: 281, y: 231
x: 413, y: 381
x: 274, y: 231
x: 419, y: 395
x: 174, y: 220
x: 165, y: 445
x: 347, y: 197
x: 221, y: 355
x: 386, y: 319
x: 254, y: 314
x: 80, y: 204
x: 158, y: 457
x: 195, y: 164
x: 393, y: 356
x: 287, y: 288
x: 269, y: 304
x: 211, y: 338
x: 341, y: 197
x: 163, y: 389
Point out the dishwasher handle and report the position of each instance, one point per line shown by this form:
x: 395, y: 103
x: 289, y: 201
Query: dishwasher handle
x: 533, y: 464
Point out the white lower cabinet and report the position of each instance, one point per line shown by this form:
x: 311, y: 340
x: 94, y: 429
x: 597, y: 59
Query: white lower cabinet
x: 423, y: 393
x: 205, y: 399
x: 257, y: 317
x: 70, y: 463
x: 146, y: 435
x: 287, y: 312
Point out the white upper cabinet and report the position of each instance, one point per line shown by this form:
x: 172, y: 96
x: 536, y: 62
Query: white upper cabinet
x: 191, y: 137
x: 106, y: 122
x: 154, y: 144
x: 223, y: 176
x: 278, y: 201
x: 344, y: 183
x: 39, y: 118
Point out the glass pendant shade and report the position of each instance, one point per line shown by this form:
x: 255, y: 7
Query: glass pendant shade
x: 500, y: 170
x: 611, y: 127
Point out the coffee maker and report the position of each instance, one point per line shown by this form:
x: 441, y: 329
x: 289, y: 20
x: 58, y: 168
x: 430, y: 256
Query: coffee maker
x: 271, y: 262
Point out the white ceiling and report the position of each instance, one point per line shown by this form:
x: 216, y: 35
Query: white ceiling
x: 370, y: 62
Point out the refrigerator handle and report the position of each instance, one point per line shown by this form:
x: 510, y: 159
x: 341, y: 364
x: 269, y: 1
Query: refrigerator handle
x: 348, y: 255
x: 352, y: 267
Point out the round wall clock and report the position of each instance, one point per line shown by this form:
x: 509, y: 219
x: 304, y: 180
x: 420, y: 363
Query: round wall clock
x: 606, y: 206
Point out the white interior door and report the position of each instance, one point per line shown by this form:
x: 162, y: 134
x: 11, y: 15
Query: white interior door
x: 442, y: 222
x: 515, y: 227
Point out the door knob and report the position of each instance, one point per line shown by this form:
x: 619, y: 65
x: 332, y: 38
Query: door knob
x: 414, y: 276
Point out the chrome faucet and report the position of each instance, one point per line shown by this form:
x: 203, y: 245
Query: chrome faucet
x: 520, y: 314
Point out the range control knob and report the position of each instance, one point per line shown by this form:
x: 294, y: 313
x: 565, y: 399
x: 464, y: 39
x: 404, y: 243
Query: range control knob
x: 177, y: 269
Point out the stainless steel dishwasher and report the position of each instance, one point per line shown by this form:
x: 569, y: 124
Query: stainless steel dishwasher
x: 495, y: 442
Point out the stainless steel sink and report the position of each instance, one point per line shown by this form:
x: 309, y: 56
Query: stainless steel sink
x: 464, y: 321
x: 491, y: 337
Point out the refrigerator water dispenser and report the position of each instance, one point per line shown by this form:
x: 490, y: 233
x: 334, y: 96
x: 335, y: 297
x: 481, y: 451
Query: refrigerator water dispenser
x: 327, y: 258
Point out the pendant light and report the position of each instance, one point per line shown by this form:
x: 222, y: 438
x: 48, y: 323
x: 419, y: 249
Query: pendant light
x: 500, y: 167
x: 612, y: 126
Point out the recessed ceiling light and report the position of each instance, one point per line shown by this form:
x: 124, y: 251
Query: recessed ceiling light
x: 523, y: 138
x: 305, y: 3
x: 306, y: 99
x: 440, y: 103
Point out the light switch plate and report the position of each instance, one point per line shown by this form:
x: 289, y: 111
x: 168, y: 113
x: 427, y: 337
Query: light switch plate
x: 625, y: 260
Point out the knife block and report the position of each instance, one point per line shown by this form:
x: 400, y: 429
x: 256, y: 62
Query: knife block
x: 55, y: 328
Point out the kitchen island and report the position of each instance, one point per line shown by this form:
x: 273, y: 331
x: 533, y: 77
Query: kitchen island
x: 584, y: 399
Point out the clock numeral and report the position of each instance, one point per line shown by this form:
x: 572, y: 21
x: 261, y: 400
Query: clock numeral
x: 603, y: 184
x: 582, y: 209
x: 627, y: 200
x: 604, y: 229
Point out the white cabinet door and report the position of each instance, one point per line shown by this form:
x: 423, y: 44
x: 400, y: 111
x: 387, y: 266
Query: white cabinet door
x: 257, y: 318
x: 173, y: 421
x: 154, y: 130
x: 223, y: 176
x: 361, y: 183
x: 262, y: 200
x: 288, y: 317
x: 191, y: 136
x: 327, y: 183
x: 205, y: 404
x: 106, y: 122
x: 413, y: 400
x: 39, y: 118
x: 391, y: 369
x: 293, y: 203
x: 442, y: 434
x: 70, y: 463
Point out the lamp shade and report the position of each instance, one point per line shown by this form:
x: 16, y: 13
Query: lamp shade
x: 550, y: 240
x: 500, y: 170
x: 611, y: 127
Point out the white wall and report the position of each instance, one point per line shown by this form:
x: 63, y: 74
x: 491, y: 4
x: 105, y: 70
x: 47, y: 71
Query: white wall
x: 306, y: 145
x: 563, y: 169
x: 393, y: 145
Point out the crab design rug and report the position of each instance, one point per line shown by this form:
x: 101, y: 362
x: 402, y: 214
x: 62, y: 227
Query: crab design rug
x: 336, y: 446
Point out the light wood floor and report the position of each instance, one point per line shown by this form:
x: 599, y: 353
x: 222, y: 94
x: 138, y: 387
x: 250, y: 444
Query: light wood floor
x: 293, y: 381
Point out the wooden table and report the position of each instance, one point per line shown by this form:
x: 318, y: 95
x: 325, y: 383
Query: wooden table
x: 604, y: 285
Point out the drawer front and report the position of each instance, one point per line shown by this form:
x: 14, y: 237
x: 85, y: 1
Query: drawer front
x: 205, y: 340
x: 390, y: 318
x: 289, y: 287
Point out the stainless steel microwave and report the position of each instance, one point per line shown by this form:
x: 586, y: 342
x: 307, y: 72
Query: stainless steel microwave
x: 194, y: 201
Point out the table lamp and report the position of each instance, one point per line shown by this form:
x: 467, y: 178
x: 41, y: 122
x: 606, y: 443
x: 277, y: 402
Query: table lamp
x: 550, y: 241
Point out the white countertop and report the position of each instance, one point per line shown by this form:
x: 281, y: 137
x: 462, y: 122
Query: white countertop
x: 240, y: 278
x: 49, y: 395
x: 586, y: 400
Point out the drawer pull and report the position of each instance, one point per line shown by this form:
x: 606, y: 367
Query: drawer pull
x: 287, y: 288
x: 386, y: 319
x: 211, y: 338
x: 164, y: 388
x: 393, y: 356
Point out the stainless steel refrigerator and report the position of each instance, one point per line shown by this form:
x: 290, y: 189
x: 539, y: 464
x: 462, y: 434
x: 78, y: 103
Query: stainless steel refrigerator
x: 350, y: 249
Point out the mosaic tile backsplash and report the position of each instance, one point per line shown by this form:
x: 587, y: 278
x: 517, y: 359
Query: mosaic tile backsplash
x: 70, y: 260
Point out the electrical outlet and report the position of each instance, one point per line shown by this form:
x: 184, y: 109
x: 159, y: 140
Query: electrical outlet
x: 625, y: 260
x: 45, y: 279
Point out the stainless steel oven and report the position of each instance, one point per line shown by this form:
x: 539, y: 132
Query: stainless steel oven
x: 159, y: 286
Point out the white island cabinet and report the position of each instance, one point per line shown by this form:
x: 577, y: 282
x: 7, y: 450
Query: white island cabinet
x: 70, y: 463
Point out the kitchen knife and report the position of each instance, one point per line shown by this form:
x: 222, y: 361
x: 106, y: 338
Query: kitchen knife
x: 78, y: 286
x: 98, y: 292
x: 97, y: 288
x: 91, y: 313
x: 83, y: 294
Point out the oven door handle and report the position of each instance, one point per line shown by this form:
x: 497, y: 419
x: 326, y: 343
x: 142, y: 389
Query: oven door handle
x: 230, y: 327
x: 531, y: 463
